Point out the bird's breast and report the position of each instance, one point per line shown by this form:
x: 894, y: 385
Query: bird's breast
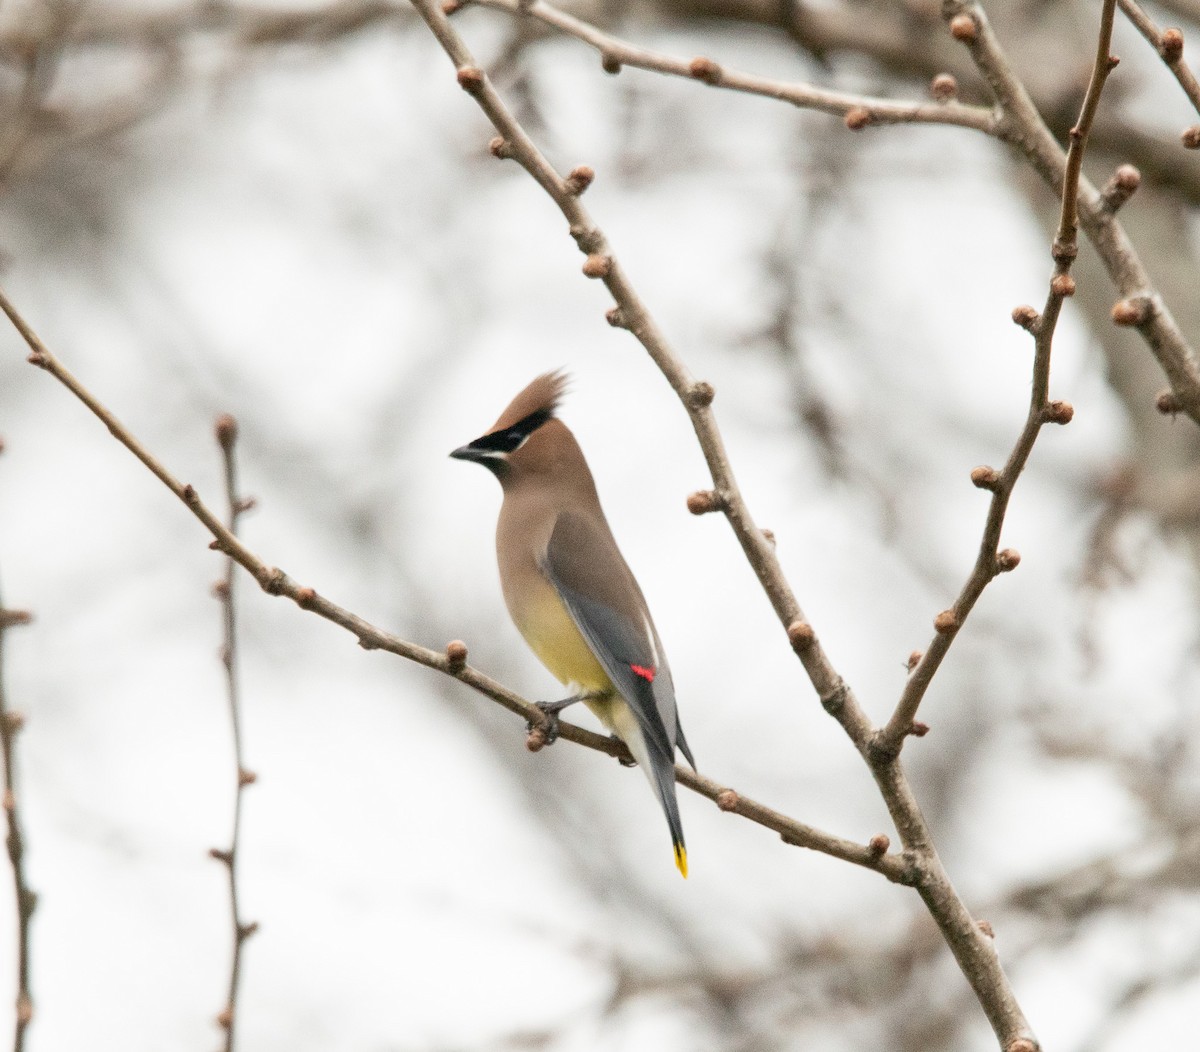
x: 522, y: 535
x: 552, y: 635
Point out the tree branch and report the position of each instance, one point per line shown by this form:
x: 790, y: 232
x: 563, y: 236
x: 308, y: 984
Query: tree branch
x: 907, y: 43
x: 451, y: 661
x: 990, y: 561
x: 1169, y: 45
x: 1022, y: 126
x: 226, y: 434
x: 860, y: 110
x: 1018, y: 123
x: 972, y: 949
x: 239, y: 23
x: 41, y: 62
x: 11, y: 723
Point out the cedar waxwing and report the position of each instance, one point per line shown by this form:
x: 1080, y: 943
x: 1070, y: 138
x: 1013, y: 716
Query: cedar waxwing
x: 570, y: 592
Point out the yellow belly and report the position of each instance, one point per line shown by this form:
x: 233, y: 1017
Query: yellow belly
x: 559, y: 645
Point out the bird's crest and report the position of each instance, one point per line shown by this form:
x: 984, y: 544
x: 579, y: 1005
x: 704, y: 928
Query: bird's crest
x: 540, y: 398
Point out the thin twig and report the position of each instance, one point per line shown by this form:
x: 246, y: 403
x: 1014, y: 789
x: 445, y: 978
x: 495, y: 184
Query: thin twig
x: 1017, y: 123
x: 160, y: 26
x: 11, y: 723
x: 615, y: 53
x: 451, y: 661
x: 1169, y: 45
x: 1022, y: 126
x: 226, y: 432
x: 697, y: 396
x: 41, y: 62
x: 974, y: 950
x: 990, y: 561
x: 1066, y: 242
x: 908, y: 44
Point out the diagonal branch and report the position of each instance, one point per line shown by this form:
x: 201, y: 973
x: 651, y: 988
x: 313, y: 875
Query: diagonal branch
x: 1017, y: 123
x: 991, y: 561
x: 972, y: 948
x: 1169, y: 45
x: 697, y: 396
x: 860, y: 110
x: 1022, y: 126
x: 452, y: 661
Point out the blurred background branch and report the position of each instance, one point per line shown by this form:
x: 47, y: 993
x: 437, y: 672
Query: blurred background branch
x: 225, y: 589
x: 11, y: 724
x: 212, y: 202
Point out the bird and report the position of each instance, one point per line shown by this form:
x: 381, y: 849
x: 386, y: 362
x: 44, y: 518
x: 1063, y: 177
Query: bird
x: 570, y: 592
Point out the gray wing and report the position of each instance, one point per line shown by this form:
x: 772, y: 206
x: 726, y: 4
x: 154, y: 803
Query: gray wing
x: 603, y: 598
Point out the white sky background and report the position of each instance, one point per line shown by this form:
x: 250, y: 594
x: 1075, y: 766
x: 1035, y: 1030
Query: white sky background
x: 319, y: 243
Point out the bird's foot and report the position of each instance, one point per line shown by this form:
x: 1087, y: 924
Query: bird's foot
x: 624, y: 761
x: 547, y: 731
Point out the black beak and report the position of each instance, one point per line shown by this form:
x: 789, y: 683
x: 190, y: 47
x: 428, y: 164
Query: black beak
x: 471, y: 452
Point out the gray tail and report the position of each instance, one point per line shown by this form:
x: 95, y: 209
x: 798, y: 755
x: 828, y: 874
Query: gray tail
x: 664, y: 782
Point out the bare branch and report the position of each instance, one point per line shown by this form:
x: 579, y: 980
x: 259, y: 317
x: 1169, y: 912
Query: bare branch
x: 1022, y: 126
x: 905, y: 41
x: 1066, y: 242
x: 40, y: 60
x: 11, y: 723
x: 974, y: 951
x: 241, y: 23
x: 1169, y: 45
x: 860, y: 110
x: 226, y: 434
x: 991, y: 561
x: 697, y: 396
x: 1017, y: 123
x: 453, y: 660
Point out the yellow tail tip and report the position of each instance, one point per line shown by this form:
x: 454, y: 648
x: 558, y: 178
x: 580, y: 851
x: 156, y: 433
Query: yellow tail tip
x: 681, y: 859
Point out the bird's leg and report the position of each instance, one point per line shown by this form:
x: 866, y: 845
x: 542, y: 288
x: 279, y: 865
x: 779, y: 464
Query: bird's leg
x: 551, y: 709
x: 624, y: 761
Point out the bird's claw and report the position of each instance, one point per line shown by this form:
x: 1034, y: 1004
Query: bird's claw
x: 624, y: 761
x: 549, y: 727
x: 548, y: 730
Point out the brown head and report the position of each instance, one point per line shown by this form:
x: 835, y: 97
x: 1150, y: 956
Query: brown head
x: 528, y: 440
